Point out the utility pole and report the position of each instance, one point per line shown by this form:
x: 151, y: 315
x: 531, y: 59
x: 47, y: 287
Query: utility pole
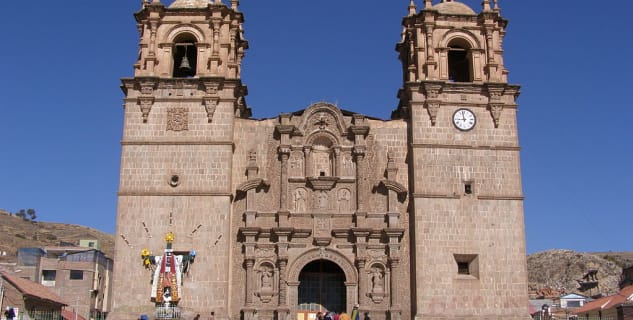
x: 1, y: 291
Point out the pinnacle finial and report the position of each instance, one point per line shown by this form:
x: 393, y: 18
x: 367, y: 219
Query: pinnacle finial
x: 486, y: 5
x: 497, y: 8
x: 235, y: 4
x: 428, y: 4
x: 412, y: 8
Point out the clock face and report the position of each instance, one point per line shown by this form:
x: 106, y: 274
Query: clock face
x: 464, y: 119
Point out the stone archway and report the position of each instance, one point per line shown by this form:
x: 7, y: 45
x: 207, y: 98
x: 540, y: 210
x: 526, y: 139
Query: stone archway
x: 345, y: 265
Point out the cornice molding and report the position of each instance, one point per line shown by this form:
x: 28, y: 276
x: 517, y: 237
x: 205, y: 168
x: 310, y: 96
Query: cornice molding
x: 457, y: 146
x: 175, y: 194
x: 176, y: 143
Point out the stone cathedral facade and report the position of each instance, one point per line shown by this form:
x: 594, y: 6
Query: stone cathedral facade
x: 320, y: 209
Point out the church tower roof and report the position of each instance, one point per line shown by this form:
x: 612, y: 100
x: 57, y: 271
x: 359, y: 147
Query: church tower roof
x: 190, y: 4
x: 453, y: 7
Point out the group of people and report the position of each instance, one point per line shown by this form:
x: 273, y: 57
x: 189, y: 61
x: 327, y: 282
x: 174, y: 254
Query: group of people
x: 9, y: 313
x: 340, y: 316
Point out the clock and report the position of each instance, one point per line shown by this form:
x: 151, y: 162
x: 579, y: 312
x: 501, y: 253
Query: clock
x: 464, y: 119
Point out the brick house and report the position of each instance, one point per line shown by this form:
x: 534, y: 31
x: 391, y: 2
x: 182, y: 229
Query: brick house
x: 29, y: 297
x: 81, y: 275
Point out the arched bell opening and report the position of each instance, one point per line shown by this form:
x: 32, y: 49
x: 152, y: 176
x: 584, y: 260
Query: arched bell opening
x: 185, y: 55
x: 322, y: 288
x: 459, y: 61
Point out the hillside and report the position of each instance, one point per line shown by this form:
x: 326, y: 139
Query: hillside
x: 16, y: 232
x: 564, y: 271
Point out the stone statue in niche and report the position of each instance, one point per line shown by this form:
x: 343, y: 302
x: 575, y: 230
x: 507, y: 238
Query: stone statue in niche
x: 266, y: 290
x: 344, y: 197
x: 300, y: 200
x: 348, y: 166
x: 377, y: 279
x: 267, y: 279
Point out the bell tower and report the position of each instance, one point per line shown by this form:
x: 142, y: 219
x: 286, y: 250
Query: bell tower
x: 467, y: 228
x: 176, y: 164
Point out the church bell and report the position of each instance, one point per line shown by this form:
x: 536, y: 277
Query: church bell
x: 184, y: 63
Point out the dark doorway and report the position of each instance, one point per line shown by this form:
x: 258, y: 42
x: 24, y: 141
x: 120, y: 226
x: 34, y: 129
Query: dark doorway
x: 322, y: 288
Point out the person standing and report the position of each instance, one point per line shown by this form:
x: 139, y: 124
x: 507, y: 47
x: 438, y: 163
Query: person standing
x: 355, y: 313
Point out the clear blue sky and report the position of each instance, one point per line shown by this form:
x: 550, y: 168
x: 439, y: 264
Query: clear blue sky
x: 61, y: 106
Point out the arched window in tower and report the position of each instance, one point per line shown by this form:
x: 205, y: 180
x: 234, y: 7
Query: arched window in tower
x: 459, y: 69
x: 185, y: 56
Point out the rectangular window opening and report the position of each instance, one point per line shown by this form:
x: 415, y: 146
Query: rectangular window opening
x: 468, y: 188
x: 76, y: 274
x: 49, y: 275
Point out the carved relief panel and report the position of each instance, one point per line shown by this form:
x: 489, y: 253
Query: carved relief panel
x: 348, y: 166
x: 177, y: 119
x: 344, y: 200
x: 321, y: 201
x: 322, y: 226
x: 299, y: 200
x: 296, y: 164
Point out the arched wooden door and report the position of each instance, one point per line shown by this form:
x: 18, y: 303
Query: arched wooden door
x: 321, y: 288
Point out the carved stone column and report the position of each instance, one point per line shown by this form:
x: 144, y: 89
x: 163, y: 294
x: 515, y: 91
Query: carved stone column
x: 394, y: 235
x: 360, y: 129
x: 308, y: 162
x: 361, y: 183
x: 361, y: 259
x: 362, y: 280
x: 249, y: 281
x: 394, y: 264
x: 284, y: 155
x: 150, y: 61
x: 282, y: 281
x: 337, y: 168
x: 283, y: 234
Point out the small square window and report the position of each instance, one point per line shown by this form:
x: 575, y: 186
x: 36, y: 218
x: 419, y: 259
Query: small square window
x: 76, y: 274
x: 462, y: 268
x: 467, y: 265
